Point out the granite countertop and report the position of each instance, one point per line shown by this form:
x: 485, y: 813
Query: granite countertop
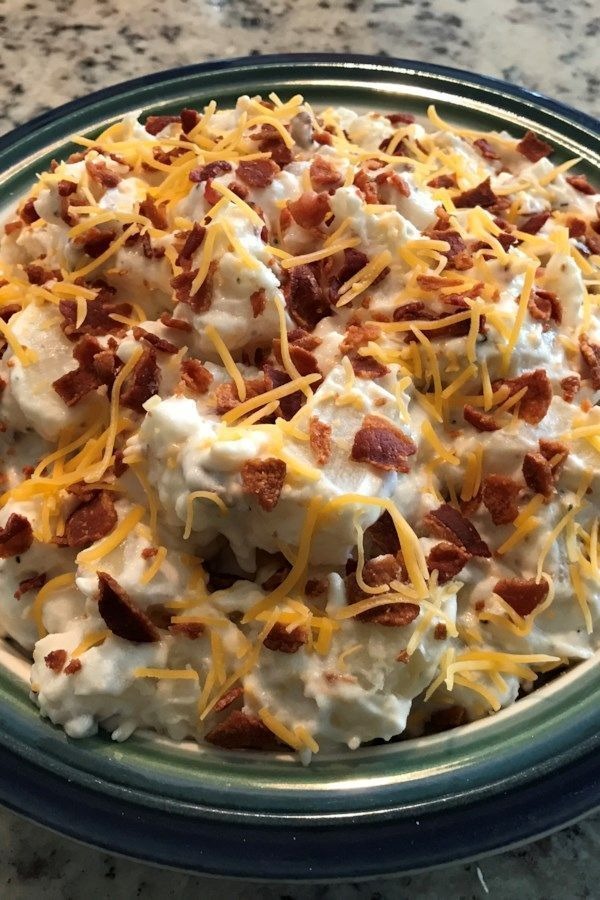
x: 75, y: 47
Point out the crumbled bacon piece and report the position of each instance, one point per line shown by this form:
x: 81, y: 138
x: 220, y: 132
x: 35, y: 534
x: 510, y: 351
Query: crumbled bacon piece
x: 521, y: 594
x: 458, y: 255
x: 13, y: 227
x: 450, y: 524
x: 8, y: 311
x: 320, y: 440
x: 279, y: 638
x: 100, y: 173
x: 358, y: 335
x: 367, y: 186
x: 485, y: 148
x: 227, y: 397
x: 309, y: 209
x: 305, y: 301
x: 155, y: 124
x: 258, y: 302
x: 95, y: 241
x: 210, y: 171
x: 191, y: 630
x: 189, y: 119
x: 581, y: 184
x: 440, y: 632
x: 591, y: 357
x: 264, y: 478
x: 140, y: 334
x: 500, y: 494
x: 195, y: 376
x: 193, y: 240
x: 74, y: 667
x: 533, y: 148
x: 66, y: 188
x: 537, y: 473
x: 391, y: 615
x: 577, y: 227
x: 535, y: 403
x: 149, y: 552
x: 73, y: 386
x: 377, y: 572
x: 155, y: 213
x: 178, y: 324
x: 35, y: 583
x: 545, y: 306
x: 16, y: 537
x: 323, y: 174
x: 122, y: 616
x: 592, y: 242
x: 229, y: 697
x: 142, y: 383
x: 316, y: 587
x: 550, y: 450
x: 201, y: 301
x: 98, y: 318
x: 242, y: 732
x: 37, y: 274
x: 569, y: 387
x: 258, y: 173
x: 55, y: 660
x: 367, y: 366
x: 480, y: 420
x: 91, y: 521
x: 535, y: 222
x: 400, y: 118
x: 443, y: 181
x: 481, y: 195
x: 28, y: 213
x: 381, y: 537
x: 382, y: 445
x: 448, y: 559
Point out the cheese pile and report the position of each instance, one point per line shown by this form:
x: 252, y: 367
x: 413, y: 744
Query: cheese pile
x: 299, y: 424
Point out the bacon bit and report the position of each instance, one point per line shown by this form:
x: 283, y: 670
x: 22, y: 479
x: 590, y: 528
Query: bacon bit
x: 367, y: 186
x: 354, y: 261
x: 177, y: 324
x: 323, y: 174
x: 106, y: 366
x: 37, y: 274
x: 500, y: 494
x: 382, y: 445
x: 156, y: 214
x: 30, y: 584
x: 191, y: 630
x: 195, y: 376
x: 545, y: 306
x: 75, y: 385
x: 28, y: 212
x: 264, y: 478
x: 485, y: 148
x: 301, y: 338
x: 395, y: 181
x: 481, y: 195
x: 16, y: 537
x: 304, y: 361
x: 549, y: 449
x: 66, y: 188
x: 569, y: 387
x: 591, y: 357
x: 97, y: 320
x: 210, y: 171
x: 309, y: 209
x: 443, y: 181
x: 316, y: 587
x: 96, y: 241
x: 448, y: 560
x: 140, y: 334
x: 91, y: 521
x: 227, y: 397
x: 400, y: 118
x: 577, y: 227
x: 446, y: 719
x: 258, y: 302
x: 522, y: 595
x: 13, y: 227
x: 155, y: 124
x: 122, y: 616
x: 74, y: 666
x: 592, y: 242
x: 8, y: 311
x: 533, y: 148
x: 381, y: 538
x: 228, y: 698
x: 240, y: 190
x: 377, y: 572
x: 403, y: 657
x: 189, y: 120
x: 201, y: 301
x: 367, y: 366
x: 478, y: 419
x: 242, y: 732
x: 322, y: 137
x: 450, y: 524
x: 55, y: 660
x: 149, y: 552
x: 193, y: 240
x: 536, y: 401
x: 538, y: 474
x: 458, y: 255
x: 440, y: 632
x: 101, y: 174
x: 65, y: 205
x: 581, y: 184
x: 258, y: 173
x: 320, y: 440
x: 279, y: 638
x: 142, y: 383
x: 358, y: 335
x: 304, y: 298
x: 535, y: 222
x: 417, y: 310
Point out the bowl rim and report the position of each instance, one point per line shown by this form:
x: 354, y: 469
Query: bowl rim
x: 303, y: 815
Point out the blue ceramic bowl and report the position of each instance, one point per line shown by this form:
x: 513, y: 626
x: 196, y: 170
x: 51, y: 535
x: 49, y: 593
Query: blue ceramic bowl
x: 482, y: 787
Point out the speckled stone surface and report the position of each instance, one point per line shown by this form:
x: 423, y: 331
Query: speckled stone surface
x: 54, y: 50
